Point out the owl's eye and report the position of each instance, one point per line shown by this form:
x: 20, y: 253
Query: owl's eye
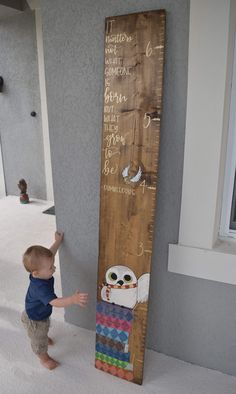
x: 127, y: 278
x: 112, y: 276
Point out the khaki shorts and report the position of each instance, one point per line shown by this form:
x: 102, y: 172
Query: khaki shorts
x: 37, y: 331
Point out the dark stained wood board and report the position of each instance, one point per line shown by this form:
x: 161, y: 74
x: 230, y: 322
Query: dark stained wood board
x: 133, y: 84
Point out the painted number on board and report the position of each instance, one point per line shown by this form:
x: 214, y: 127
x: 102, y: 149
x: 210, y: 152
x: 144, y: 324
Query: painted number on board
x: 146, y: 120
x: 150, y: 50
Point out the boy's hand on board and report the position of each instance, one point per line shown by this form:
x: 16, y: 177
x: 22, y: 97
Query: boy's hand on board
x: 59, y: 236
x: 80, y: 299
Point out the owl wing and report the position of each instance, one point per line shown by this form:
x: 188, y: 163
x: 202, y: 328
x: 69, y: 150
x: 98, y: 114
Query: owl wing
x: 143, y: 287
x: 104, y: 293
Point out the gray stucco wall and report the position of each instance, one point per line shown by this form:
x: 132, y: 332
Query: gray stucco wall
x: 191, y: 319
x: 21, y: 134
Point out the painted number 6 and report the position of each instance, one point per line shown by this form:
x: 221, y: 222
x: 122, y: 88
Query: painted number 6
x: 148, y: 50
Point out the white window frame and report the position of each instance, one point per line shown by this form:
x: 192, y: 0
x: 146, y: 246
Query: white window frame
x: 201, y: 252
x: 230, y: 167
x: 2, y: 177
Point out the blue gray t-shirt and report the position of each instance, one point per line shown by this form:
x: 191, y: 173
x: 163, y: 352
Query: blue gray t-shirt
x: 39, y: 294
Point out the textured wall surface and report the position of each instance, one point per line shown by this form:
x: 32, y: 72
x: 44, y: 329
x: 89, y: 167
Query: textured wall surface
x: 189, y: 318
x: 21, y: 134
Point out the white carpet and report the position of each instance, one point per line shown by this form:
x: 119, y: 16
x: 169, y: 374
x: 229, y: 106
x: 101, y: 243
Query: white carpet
x: 20, y: 372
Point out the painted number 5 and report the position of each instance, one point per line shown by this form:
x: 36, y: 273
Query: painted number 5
x: 146, y: 120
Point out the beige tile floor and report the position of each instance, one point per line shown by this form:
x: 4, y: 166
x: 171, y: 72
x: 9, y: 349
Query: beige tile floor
x: 20, y: 372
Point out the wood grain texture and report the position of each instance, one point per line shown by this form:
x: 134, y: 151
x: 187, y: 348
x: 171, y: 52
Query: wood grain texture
x: 133, y: 83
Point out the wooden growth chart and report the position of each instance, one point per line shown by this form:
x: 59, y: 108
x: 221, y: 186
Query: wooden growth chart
x: 134, y: 56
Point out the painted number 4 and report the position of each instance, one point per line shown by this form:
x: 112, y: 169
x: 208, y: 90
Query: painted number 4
x: 143, y: 184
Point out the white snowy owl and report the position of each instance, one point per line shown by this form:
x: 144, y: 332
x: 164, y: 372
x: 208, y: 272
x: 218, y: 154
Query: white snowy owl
x: 123, y: 288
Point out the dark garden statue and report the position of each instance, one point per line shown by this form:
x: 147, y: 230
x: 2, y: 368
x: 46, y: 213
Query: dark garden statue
x: 24, y: 198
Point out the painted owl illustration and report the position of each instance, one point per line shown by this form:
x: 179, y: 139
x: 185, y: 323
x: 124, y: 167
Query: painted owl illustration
x: 115, y: 318
x: 123, y: 288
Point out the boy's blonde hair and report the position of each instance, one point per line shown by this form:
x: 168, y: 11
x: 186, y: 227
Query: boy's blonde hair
x: 32, y: 257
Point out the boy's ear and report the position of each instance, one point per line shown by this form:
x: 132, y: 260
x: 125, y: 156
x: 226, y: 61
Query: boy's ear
x: 35, y: 274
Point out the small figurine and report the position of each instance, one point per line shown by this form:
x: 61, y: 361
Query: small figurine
x: 24, y: 198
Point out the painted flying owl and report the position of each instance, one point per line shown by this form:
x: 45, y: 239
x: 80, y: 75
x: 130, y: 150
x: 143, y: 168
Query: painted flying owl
x: 123, y: 288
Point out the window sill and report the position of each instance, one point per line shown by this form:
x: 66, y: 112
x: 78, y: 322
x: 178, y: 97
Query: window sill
x: 217, y: 264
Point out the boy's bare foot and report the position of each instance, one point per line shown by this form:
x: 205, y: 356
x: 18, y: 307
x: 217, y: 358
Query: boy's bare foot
x: 47, y: 361
x: 50, y: 341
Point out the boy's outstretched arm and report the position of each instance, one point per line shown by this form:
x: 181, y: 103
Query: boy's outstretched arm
x: 58, y: 240
x: 75, y: 299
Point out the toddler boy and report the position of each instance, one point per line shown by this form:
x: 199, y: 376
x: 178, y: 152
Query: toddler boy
x: 40, y: 298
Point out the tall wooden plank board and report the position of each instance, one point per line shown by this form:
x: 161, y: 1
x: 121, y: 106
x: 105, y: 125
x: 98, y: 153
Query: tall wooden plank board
x: 133, y: 81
